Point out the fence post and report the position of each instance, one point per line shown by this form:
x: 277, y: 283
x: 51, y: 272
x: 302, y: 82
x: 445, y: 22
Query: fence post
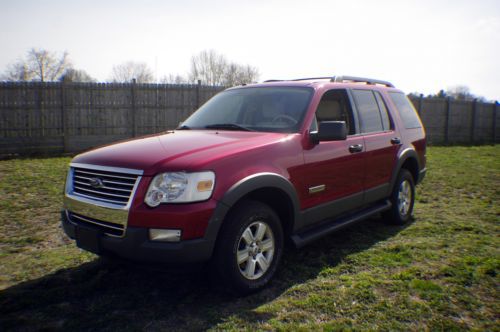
x: 64, y: 116
x: 198, y: 86
x: 134, y: 117
x: 495, y: 106
x: 420, y: 101
x: 473, y: 120
x: 447, y: 121
x: 40, y: 109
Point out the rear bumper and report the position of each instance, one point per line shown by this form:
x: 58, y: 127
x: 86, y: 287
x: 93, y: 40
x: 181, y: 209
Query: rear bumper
x: 136, y: 246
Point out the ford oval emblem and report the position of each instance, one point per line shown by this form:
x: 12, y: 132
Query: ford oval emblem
x: 96, y: 183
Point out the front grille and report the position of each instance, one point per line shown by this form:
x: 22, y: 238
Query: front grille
x: 102, y: 226
x: 106, y: 186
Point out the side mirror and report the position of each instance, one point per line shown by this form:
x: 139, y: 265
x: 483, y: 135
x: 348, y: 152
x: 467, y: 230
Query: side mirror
x: 330, y: 131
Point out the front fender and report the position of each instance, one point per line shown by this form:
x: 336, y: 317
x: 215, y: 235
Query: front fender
x: 260, y: 181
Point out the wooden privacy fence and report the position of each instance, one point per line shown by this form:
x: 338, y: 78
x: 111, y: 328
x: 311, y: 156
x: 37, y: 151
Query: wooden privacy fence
x: 449, y: 121
x: 70, y: 117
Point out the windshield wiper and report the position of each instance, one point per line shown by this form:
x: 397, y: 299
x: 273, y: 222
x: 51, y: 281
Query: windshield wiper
x: 183, y: 127
x: 228, y: 126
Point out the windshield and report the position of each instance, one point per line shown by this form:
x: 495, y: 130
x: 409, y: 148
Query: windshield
x: 273, y: 109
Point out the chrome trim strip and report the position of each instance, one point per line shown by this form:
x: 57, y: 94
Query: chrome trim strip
x: 96, y: 222
x: 109, y: 168
x: 317, y: 189
x: 90, y: 200
x: 89, y: 209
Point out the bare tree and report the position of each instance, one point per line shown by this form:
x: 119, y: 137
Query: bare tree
x: 240, y: 74
x: 127, y: 71
x: 460, y: 92
x: 39, y: 65
x: 209, y: 67
x: 214, y: 69
x: 76, y: 75
x: 17, y: 71
x: 174, y: 79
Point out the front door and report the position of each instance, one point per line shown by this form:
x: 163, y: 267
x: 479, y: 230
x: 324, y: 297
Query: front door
x: 335, y: 170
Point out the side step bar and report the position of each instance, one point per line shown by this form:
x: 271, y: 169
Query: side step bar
x: 301, y: 239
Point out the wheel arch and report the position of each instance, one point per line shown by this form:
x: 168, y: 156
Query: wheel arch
x: 271, y: 189
x: 408, y: 159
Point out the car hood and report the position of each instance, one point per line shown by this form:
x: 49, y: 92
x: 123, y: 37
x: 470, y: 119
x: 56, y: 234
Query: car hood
x: 176, y: 150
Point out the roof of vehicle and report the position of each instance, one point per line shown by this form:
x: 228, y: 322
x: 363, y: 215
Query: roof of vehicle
x: 341, y: 81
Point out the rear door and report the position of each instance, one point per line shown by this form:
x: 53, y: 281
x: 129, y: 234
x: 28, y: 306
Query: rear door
x: 381, y: 141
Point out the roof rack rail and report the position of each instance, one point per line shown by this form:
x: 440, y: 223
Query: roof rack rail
x: 361, y: 79
x: 340, y: 79
x: 312, y: 78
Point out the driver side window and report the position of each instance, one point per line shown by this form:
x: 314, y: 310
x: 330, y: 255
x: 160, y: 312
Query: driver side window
x: 334, y: 106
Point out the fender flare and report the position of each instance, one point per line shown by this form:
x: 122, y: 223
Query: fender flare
x: 244, y: 186
x: 402, y: 158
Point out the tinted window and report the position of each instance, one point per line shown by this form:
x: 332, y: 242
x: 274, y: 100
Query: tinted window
x: 275, y: 109
x: 406, y: 110
x: 383, y: 111
x: 369, y: 114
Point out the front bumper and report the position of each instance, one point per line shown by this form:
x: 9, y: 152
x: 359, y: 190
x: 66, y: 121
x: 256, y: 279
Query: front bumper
x: 136, y: 246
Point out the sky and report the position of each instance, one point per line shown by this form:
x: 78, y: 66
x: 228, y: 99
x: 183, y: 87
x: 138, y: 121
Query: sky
x: 420, y: 46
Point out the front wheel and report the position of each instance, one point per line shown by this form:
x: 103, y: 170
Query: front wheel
x: 402, y: 199
x: 249, y: 248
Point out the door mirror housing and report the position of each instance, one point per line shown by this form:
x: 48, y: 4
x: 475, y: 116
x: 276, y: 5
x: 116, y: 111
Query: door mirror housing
x: 330, y: 131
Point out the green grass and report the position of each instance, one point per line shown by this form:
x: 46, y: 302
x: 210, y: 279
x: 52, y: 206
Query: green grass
x: 439, y: 272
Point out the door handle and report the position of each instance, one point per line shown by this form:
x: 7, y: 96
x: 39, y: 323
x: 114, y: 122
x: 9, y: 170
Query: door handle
x: 395, y: 140
x: 356, y: 148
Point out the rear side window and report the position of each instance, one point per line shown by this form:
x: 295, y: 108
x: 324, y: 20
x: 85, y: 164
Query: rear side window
x: 383, y: 111
x: 369, y: 114
x: 406, y: 110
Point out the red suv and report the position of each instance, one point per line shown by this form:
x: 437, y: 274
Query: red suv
x: 254, y: 167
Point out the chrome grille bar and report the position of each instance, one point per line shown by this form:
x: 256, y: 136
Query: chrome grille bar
x: 110, y: 175
x: 101, y: 193
x: 104, y: 184
x: 105, y: 187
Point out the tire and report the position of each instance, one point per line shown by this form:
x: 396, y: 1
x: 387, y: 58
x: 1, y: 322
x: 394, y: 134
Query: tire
x: 402, y: 199
x: 249, y: 248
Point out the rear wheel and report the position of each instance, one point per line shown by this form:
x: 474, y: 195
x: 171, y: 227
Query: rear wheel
x: 249, y: 248
x: 402, y: 199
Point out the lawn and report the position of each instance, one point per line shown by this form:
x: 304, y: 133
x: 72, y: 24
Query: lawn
x: 439, y: 272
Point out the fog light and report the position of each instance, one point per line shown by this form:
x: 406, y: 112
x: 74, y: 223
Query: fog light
x: 165, y: 235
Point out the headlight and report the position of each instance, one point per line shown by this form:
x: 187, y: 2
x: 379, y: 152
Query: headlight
x: 180, y: 187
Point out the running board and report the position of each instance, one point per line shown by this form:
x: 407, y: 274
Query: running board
x: 301, y: 239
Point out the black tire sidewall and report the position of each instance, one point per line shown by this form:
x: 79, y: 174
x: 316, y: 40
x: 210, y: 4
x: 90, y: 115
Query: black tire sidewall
x: 394, y: 215
x: 238, y: 220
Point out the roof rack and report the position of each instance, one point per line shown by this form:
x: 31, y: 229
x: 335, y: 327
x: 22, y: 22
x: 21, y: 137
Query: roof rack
x: 341, y: 79
x: 361, y: 79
